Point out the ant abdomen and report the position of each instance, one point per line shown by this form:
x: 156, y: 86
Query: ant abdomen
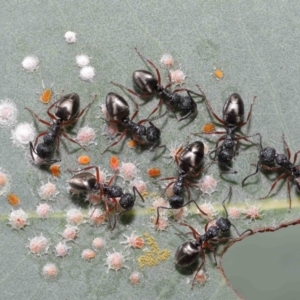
x: 187, y: 254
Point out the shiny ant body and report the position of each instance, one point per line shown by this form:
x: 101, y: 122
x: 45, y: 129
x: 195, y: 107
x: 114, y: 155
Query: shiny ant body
x: 233, y: 114
x: 269, y: 155
x: 150, y: 84
x: 118, y: 110
x: 189, y: 252
x: 67, y: 112
x: 86, y: 182
x: 188, y: 161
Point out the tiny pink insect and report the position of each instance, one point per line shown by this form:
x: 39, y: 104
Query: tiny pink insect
x: 88, y: 254
x: 177, y: 77
x: 135, y: 277
x: 159, y: 202
x: 252, y: 212
x: 128, y: 171
x: 199, y: 277
x: 18, y: 219
x: 207, y: 184
x: 74, y: 216
x: 140, y: 186
x: 86, y: 136
x: 162, y: 224
x: 179, y: 214
x: 210, y: 211
x: 62, y: 249
x: 43, y: 210
x: 50, y: 270
x: 167, y: 60
x: 97, y: 216
x: 70, y: 232
x: 133, y: 241
x: 234, y: 213
x: 48, y: 191
x: 98, y: 243
x: 110, y: 130
x: 38, y: 245
x: 115, y: 261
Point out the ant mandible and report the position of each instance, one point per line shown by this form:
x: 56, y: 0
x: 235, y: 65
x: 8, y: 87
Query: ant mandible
x: 118, y: 110
x: 233, y: 114
x: 150, y: 84
x: 188, y: 161
x: 67, y: 112
x: 269, y: 155
x: 188, y: 252
x: 86, y: 182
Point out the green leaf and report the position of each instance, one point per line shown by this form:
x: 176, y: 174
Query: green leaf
x: 254, y: 42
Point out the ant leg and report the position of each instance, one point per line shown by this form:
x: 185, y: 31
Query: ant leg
x: 115, y: 143
x: 151, y: 64
x: 71, y: 140
x: 32, y: 150
x: 157, y: 212
x: 240, y: 234
x: 200, y: 267
x: 213, y: 113
x: 286, y: 147
x: 36, y: 139
x: 50, y: 107
x: 295, y: 156
x: 212, y: 249
x: 256, y: 171
x: 131, y: 91
x: 289, y: 191
x: 272, y: 169
x: 135, y: 190
x: 37, y: 117
x: 274, y: 184
x: 67, y: 123
x: 202, y: 212
x: 223, y: 202
x: 157, y: 107
x: 249, y: 114
x: 195, y: 233
x: 189, y: 92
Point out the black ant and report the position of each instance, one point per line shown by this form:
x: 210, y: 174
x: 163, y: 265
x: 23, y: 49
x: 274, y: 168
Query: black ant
x: 150, y: 84
x: 188, y: 252
x: 86, y: 182
x: 233, y: 114
x: 268, y: 155
x: 118, y: 110
x: 67, y: 112
x: 188, y: 161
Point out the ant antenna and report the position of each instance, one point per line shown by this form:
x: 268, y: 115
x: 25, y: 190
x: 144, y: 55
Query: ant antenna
x: 223, y: 202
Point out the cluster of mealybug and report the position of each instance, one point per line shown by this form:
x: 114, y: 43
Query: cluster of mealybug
x: 189, y: 158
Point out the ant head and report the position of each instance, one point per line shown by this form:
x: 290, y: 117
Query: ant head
x: 187, y: 254
x: 224, y: 224
x: 176, y: 201
x: 127, y: 201
x: 267, y: 155
x: 152, y: 133
x: 44, y: 151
